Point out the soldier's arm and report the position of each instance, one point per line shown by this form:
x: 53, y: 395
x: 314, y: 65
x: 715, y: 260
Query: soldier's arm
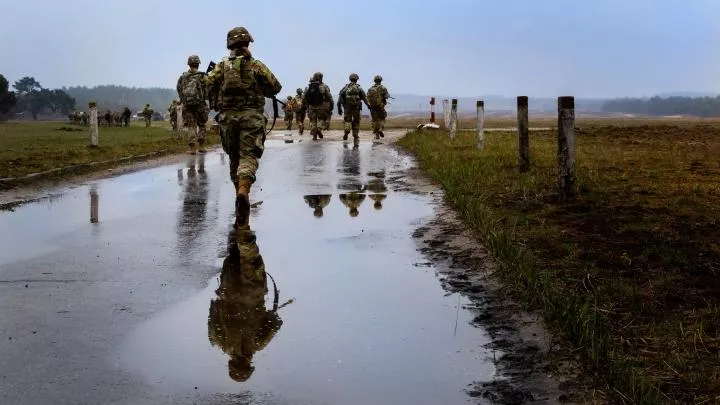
x: 212, y: 84
x: 178, y: 87
x: 269, y: 84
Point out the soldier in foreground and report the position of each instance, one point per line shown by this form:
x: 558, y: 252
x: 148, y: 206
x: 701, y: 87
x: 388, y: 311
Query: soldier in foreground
x: 351, y: 98
x: 318, y: 98
x: 377, y: 96
x: 289, y: 110
x: 147, y: 112
x: 192, y: 92
x: 237, y: 86
x: 300, y: 111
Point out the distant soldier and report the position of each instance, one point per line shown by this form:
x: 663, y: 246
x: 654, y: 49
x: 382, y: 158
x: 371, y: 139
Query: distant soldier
x: 317, y: 203
x: 300, y: 111
x: 173, y: 114
x: 108, y: 118
x: 317, y: 98
x: 237, y: 86
x: 238, y: 321
x: 377, y: 96
x: 191, y: 88
x: 126, y: 114
x: 147, y: 112
x: 351, y: 98
x: 289, y: 110
x: 84, y: 118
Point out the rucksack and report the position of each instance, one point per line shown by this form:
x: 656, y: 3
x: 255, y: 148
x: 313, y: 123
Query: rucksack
x: 192, y: 89
x: 314, y: 95
x: 374, y: 97
x: 352, y: 95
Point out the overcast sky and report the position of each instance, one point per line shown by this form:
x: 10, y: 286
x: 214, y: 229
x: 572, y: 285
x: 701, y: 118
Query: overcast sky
x: 591, y: 48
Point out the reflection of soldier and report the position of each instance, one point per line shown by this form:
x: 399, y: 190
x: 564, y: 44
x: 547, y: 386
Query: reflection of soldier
x: 238, y: 321
x: 194, y: 205
x: 377, y: 187
x: 353, y: 202
x: 318, y: 202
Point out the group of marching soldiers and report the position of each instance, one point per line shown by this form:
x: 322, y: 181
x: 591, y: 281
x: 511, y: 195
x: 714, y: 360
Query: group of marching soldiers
x: 316, y: 102
x: 108, y: 119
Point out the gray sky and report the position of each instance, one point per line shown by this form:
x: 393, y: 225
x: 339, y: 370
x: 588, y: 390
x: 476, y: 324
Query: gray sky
x: 592, y: 48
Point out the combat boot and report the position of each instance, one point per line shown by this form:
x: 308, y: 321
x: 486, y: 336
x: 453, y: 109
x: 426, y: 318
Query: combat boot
x: 382, y: 134
x: 242, y: 201
x: 320, y: 135
x: 345, y: 135
x: 201, y: 144
x: 191, y: 149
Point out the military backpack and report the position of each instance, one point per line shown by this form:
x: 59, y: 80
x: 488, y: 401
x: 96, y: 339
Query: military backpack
x: 374, y: 97
x: 352, y: 96
x: 314, y: 95
x: 193, y: 93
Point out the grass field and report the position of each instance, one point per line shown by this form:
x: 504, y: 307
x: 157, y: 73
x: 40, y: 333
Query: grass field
x: 31, y: 147
x: 629, y: 271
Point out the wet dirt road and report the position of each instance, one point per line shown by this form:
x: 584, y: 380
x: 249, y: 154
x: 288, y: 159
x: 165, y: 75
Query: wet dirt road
x: 137, y: 289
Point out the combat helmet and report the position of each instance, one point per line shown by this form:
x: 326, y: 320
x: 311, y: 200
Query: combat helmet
x: 317, y: 76
x: 236, y: 35
x: 354, y: 77
x: 299, y: 91
x: 289, y: 98
x: 377, y: 78
x: 193, y: 60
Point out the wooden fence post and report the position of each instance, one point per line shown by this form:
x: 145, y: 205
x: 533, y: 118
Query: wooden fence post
x: 93, y: 124
x: 453, y: 119
x: 523, y: 136
x: 566, y: 146
x: 480, y: 124
x: 432, y: 110
x: 446, y: 113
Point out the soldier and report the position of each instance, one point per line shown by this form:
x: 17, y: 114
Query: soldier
x: 377, y: 96
x: 318, y: 98
x: 317, y: 202
x: 126, y: 117
x: 238, y: 321
x: 84, y: 117
x: 191, y: 88
x: 238, y: 86
x: 289, y: 109
x: 300, y: 111
x: 147, y: 112
x: 108, y: 118
x: 172, y: 109
x: 351, y: 98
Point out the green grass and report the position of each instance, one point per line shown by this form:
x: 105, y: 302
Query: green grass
x: 31, y: 147
x: 628, y: 271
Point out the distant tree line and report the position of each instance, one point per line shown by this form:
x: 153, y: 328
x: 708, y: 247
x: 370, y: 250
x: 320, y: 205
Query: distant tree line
x: 116, y: 98
x: 30, y: 96
x: 698, y: 106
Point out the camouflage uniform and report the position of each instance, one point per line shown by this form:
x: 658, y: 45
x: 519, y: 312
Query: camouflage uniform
x: 318, y: 113
x: 108, y: 118
x: 147, y: 112
x: 352, y: 108
x: 194, y: 116
x: 378, y: 189
x: 126, y: 117
x: 377, y: 99
x: 237, y: 89
x: 289, y: 110
x: 317, y: 203
x: 300, y: 111
x: 353, y: 202
x: 173, y: 114
x: 238, y: 321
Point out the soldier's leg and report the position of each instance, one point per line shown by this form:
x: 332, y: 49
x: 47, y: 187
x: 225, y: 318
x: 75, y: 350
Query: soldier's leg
x: 190, y: 123
x: 347, y: 124
x: 201, y: 118
x: 232, y: 143
x: 300, y: 119
x: 381, y: 122
x: 313, y: 124
x: 252, y: 139
x: 356, y: 126
x: 322, y: 121
x: 374, y: 121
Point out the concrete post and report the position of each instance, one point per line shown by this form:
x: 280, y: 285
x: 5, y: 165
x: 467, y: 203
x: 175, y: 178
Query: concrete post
x: 93, y: 124
x: 480, y: 124
x: 446, y: 113
x: 432, y: 110
x: 453, y: 119
x: 94, y: 205
x: 180, y: 123
x: 566, y: 146
x: 523, y: 136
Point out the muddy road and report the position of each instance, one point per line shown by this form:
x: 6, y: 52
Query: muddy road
x: 137, y: 289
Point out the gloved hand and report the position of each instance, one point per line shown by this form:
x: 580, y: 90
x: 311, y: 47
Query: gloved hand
x: 340, y: 111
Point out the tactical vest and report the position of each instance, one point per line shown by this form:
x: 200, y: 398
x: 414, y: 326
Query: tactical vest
x: 352, y: 96
x: 239, y: 90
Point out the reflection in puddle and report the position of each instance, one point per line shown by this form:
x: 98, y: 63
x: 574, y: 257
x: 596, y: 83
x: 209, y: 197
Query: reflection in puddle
x: 94, y: 205
x: 317, y: 203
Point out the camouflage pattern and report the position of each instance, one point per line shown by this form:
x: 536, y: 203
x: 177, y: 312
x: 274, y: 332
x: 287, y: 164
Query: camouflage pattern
x: 241, y: 119
x: 318, y: 114
x: 351, y: 117
x: 318, y: 202
x: 378, y: 96
x: 172, y: 109
x: 238, y: 321
x: 289, y: 110
x: 194, y: 117
x: 353, y: 202
x: 300, y: 111
x: 147, y: 112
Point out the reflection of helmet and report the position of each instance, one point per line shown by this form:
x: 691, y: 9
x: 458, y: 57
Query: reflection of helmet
x: 299, y: 91
x: 377, y: 78
x: 193, y: 60
x: 240, y: 369
x: 317, y: 76
x: 354, y: 212
x: 237, y: 35
x: 378, y: 204
x: 318, y: 212
x: 354, y: 77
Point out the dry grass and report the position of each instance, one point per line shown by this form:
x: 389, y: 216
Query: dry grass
x: 629, y: 270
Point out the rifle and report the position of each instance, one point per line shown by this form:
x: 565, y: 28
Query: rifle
x: 276, y: 113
